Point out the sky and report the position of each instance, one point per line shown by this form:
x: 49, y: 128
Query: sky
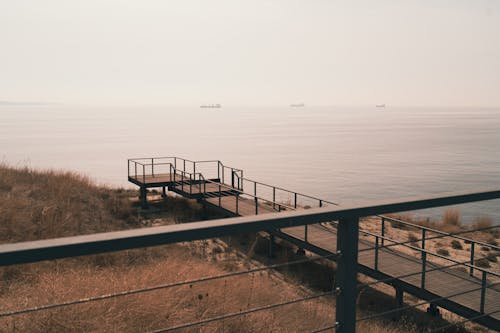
x: 251, y: 52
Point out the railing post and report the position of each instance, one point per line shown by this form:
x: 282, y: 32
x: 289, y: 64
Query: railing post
x: 254, y: 189
x: 274, y: 197
x: 424, y: 264
x: 184, y: 166
x: 423, y: 242
x: 135, y: 167
x: 144, y: 173
x: 128, y: 168
x: 237, y: 195
x: 232, y: 177
x: 256, y: 206
x: 182, y: 183
x: 190, y: 183
x: 220, y: 195
x: 347, y: 262
x: 194, y: 168
x: 175, y: 162
x: 376, y: 253
x: 483, y: 291
x: 153, y: 167
x: 321, y: 203
x: 295, y: 200
x: 218, y: 170
x: 182, y: 180
x: 471, y: 269
x: 383, y: 231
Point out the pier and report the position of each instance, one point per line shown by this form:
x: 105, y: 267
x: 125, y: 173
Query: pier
x: 225, y: 188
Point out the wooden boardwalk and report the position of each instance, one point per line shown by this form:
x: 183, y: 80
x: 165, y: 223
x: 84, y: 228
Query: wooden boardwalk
x: 394, y: 267
x: 444, y: 282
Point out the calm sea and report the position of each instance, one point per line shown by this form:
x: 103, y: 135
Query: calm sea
x: 344, y: 154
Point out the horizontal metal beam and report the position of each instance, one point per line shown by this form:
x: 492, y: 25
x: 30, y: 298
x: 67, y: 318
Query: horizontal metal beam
x: 27, y: 252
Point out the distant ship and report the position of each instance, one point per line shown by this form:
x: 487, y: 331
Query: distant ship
x: 211, y: 106
x: 299, y: 105
x: 380, y: 105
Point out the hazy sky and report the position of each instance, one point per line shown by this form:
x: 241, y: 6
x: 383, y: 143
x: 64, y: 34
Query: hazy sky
x: 251, y: 52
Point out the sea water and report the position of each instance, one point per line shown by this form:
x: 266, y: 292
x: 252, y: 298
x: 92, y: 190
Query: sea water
x: 343, y: 154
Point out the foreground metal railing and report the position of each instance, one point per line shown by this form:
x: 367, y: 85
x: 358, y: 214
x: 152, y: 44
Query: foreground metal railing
x: 346, y: 255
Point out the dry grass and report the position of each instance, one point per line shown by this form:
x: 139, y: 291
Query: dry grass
x: 47, y: 204
x: 52, y: 204
x: 37, y: 205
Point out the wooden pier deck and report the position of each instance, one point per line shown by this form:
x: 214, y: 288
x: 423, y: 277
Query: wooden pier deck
x: 226, y: 193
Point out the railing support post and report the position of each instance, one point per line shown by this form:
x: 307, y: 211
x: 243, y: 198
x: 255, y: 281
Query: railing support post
x: 471, y: 269
x: 295, y: 200
x: 237, y: 195
x: 383, y: 232
x: 153, y: 167
x: 256, y: 206
x: 424, y: 264
x: 274, y: 197
x: 376, y: 253
x: 232, y: 177
x: 423, y: 243
x: 347, y: 266
x: 483, y: 291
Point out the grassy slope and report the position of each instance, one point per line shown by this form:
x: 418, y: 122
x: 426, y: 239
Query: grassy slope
x: 36, y: 205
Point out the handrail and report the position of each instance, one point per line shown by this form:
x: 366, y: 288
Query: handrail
x: 244, y: 193
x: 289, y: 191
x: 428, y: 238
x: 34, y: 251
x: 406, y: 244
x: 444, y: 233
x: 431, y: 253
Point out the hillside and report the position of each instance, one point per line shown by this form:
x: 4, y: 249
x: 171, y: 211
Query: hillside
x: 46, y: 204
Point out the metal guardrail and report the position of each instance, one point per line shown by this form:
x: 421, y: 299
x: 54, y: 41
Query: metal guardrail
x: 141, y: 168
x: 238, y: 193
x: 347, y: 239
x: 440, y: 234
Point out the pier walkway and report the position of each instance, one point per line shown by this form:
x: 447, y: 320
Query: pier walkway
x: 461, y: 287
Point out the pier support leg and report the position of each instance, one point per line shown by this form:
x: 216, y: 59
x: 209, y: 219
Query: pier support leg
x: 143, y: 197
x: 399, y: 301
x: 347, y: 269
x: 271, y: 246
x: 163, y: 192
x: 433, y: 310
x: 301, y: 252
